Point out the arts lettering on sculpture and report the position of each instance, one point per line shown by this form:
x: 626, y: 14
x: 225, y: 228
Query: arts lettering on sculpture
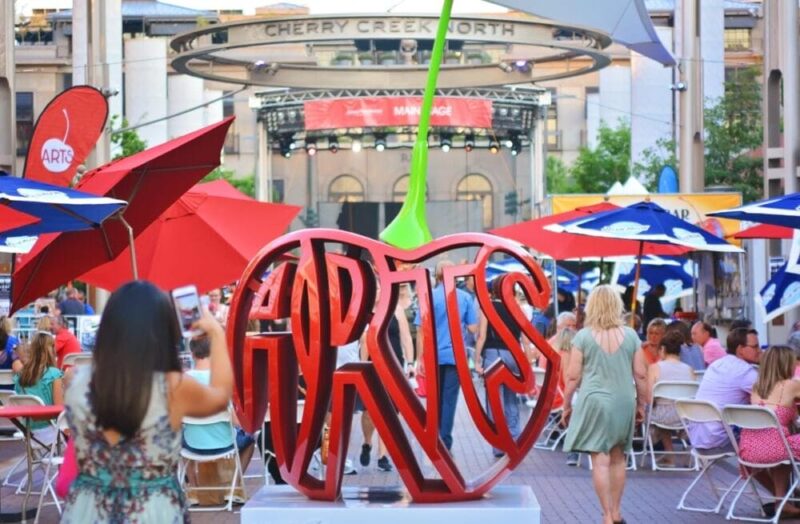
x: 330, y: 300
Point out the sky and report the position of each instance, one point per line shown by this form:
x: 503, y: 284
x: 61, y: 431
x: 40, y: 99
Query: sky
x: 349, y: 6
x: 316, y: 6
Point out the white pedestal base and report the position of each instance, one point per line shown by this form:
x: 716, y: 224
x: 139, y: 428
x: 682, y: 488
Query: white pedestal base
x: 284, y: 505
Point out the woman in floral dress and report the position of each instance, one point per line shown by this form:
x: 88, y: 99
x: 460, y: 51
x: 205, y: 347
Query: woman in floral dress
x: 125, y: 411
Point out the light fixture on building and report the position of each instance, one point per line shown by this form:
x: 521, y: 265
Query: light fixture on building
x: 286, y: 144
x: 516, y: 146
x: 506, y: 67
x: 356, y: 147
x: 523, y: 66
x: 508, y: 142
x: 494, y: 146
x: 469, y: 143
x: 380, y: 143
x: 311, y: 147
x: 446, y: 142
x: 333, y: 144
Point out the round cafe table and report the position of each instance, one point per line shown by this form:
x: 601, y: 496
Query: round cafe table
x: 21, y: 416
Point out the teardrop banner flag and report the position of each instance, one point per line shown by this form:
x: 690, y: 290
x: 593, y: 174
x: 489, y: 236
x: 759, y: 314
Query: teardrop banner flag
x: 65, y: 134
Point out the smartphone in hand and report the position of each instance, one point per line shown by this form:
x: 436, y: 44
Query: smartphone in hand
x: 187, y: 307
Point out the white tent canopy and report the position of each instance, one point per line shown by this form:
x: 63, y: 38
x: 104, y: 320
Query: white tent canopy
x: 632, y: 187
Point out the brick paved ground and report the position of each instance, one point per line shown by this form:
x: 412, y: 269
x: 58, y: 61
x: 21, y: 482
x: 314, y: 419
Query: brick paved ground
x: 565, y: 493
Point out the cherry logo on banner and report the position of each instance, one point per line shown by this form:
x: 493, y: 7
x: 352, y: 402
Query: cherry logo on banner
x: 331, y: 298
x: 65, y: 134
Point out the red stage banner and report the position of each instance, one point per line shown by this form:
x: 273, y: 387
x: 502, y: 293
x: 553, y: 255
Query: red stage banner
x: 396, y: 111
x: 65, y: 134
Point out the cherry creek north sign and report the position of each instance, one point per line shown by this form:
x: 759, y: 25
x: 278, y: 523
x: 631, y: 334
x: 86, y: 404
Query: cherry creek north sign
x: 231, y: 59
x: 371, y: 27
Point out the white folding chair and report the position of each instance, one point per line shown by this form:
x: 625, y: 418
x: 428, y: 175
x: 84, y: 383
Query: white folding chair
x: 758, y: 418
x: 41, y: 438
x: 668, y: 391
x: 52, y: 463
x: 187, y: 455
x: 8, y: 431
x: 77, y: 359
x: 552, y: 434
x: 704, y: 412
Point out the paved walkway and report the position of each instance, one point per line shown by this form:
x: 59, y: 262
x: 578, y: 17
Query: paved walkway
x: 565, y: 493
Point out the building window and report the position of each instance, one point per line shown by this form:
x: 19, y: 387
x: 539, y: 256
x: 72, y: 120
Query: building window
x: 24, y: 121
x: 738, y: 39
x: 551, y: 131
x: 345, y: 188
x: 232, y: 137
x: 401, y: 188
x: 477, y: 187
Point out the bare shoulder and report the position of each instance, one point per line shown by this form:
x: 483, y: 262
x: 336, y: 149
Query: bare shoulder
x: 180, y: 384
x: 794, y: 385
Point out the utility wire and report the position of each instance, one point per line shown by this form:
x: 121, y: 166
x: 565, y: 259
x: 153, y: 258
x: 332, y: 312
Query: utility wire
x: 179, y: 113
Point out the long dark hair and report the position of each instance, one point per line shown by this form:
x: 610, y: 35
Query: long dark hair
x: 138, y: 336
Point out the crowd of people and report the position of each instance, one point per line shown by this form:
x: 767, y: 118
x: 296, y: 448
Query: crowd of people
x: 126, y: 411
x: 610, y: 375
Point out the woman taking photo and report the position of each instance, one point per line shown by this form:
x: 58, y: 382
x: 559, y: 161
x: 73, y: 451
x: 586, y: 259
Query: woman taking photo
x: 125, y: 411
x: 606, y: 360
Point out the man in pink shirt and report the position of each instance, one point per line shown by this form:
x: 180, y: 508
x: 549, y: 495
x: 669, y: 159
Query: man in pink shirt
x: 712, y: 349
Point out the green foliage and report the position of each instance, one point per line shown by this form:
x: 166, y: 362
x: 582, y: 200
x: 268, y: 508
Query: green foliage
x: 733, y: 133
x: 128, y: 141
x: 653, y: 159
x: 559, y: 180
x: 246, y: 185
x: 595, y: 170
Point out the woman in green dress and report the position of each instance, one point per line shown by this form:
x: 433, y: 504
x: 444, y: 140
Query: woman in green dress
x: 606, y: 361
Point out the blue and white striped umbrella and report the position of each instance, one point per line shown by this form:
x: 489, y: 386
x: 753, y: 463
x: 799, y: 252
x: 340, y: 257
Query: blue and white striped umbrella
x: 646, y: 222
x: 59, y: 209
x: 779, y: 211
x: 780, y: 294
x: 677, y: 278
x: 567, y: 280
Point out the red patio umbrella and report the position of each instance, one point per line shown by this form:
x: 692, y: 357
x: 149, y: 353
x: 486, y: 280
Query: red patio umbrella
x: 206, y: 238
x: 765, y: 231
x: 150, y: 181
x: 563, y: 246
x: 12, y: 219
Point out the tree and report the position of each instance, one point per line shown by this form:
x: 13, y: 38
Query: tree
x: 596, y: 169
x: 128, y: 140
x: 246, y: 185
x: 733, y: 134
x: 559, y: 180
x: 653, y: 160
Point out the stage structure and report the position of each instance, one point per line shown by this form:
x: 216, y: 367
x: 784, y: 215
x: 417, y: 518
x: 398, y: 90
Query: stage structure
x: 378, y: 64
